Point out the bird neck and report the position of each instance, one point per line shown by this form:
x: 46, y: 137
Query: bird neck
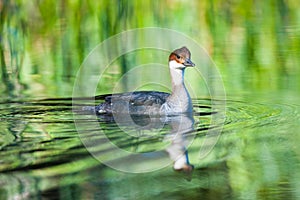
x: 177, y: 74
x: 180, y: 97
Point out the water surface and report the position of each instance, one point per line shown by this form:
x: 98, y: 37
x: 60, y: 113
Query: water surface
x: 42, y: 154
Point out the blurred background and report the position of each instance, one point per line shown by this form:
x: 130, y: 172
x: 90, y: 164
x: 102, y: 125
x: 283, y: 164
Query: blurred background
x: 255, y: 44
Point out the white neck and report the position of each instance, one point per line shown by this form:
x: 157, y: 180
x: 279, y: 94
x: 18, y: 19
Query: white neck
x: 180, y: 99
x: 177, y: 73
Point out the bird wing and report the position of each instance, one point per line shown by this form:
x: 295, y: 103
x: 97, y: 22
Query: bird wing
x: 146, y: 98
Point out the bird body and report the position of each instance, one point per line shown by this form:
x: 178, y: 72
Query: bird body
x: 154, y: 102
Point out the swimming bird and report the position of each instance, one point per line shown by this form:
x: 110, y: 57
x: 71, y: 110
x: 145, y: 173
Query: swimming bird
x: 154, y: 102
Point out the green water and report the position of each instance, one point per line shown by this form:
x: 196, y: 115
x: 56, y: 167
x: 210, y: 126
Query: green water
x: 255, y: 46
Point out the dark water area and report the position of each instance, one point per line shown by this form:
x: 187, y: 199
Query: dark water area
x: 242, y: 140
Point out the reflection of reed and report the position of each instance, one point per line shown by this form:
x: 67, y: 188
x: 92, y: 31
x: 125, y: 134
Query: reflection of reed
x: 11, y: 45
x: 3, y: 13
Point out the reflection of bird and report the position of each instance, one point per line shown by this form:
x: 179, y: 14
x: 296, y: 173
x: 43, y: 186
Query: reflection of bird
x: 182, y: 125
x: 153, y: 102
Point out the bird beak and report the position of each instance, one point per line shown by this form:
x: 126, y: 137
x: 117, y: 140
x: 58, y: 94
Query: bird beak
x: 188, y: 63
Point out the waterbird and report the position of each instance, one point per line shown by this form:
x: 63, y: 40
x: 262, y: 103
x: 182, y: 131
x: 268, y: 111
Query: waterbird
x: 154, y: 102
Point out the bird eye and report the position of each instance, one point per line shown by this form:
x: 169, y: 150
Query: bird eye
x: 177, y: 56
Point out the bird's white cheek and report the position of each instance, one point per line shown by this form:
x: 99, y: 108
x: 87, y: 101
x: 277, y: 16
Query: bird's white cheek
x: 175, y: 65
